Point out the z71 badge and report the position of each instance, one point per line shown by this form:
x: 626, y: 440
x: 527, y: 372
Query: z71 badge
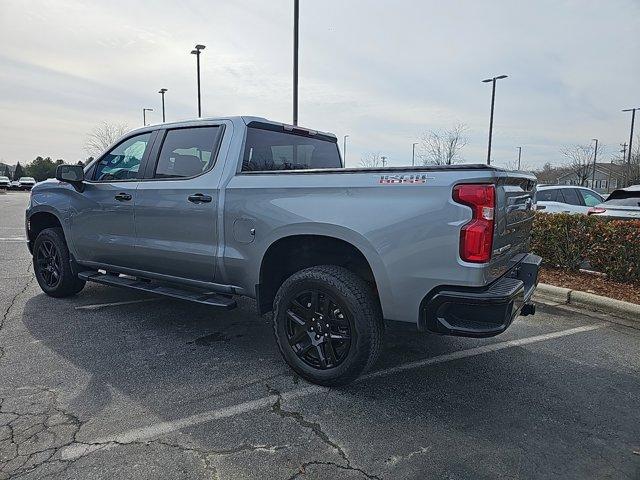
x: 404, y: 178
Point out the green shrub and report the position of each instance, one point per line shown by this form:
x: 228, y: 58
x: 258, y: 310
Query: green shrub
x: 611, y: 246
x: 615, y: 249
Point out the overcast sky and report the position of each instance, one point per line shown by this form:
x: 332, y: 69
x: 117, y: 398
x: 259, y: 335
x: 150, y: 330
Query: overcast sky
x: 380, y: 71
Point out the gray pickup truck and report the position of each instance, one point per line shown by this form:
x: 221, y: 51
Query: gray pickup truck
x: 207, y: 210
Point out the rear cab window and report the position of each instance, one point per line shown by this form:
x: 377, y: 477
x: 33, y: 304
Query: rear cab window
x: 278, y: 149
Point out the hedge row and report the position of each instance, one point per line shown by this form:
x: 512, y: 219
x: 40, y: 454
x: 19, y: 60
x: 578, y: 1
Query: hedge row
x: 610, y: 246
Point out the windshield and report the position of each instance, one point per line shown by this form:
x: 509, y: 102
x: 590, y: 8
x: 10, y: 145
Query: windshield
x: 623, y: 199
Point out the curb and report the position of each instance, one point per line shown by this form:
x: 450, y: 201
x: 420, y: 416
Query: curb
x: 630, y: 311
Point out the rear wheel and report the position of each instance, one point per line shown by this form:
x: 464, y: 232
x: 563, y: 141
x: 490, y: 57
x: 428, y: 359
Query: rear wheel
x: 52, y: 265
x: 327, y: 324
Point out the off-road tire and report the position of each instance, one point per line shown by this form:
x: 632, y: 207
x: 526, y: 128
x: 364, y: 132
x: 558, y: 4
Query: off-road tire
x: 69, y: 284
x: 357, y: 297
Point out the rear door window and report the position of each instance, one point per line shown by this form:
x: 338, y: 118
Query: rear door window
x: 570, y: 196
x: 187, y: 152
x: 549, y: 195
x: 267, y: 150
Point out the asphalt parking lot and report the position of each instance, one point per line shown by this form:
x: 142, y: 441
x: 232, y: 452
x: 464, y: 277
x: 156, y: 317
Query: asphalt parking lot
x: 113, y: 384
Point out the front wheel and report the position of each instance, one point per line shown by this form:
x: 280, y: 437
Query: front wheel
x: 52, y: 264
x: 328, y: 325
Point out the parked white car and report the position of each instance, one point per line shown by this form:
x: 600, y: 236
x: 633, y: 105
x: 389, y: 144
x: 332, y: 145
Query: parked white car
x: 26, y: 183
x: 566, y: 199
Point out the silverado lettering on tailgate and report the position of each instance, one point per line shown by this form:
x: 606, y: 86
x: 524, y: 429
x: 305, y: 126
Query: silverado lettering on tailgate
x: 407, y: 178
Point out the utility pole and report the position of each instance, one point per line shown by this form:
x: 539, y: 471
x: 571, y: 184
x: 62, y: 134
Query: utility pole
x: 624, y: 159
x: 609, y: 179
x: 413, y: 156
x: 519, y: 156
x: 196, y: 52
x: 296, y: 16
x: 593, y: 173
x: 344, y: 150
x: 384, y: 161
x: 633, y: 119
x: 493, y: 100
x: 162, y: 92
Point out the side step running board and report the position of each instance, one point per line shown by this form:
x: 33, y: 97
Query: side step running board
x: 207, y: 298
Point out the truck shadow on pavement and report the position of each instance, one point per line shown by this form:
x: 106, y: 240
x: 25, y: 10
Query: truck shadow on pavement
x: 528, y: 413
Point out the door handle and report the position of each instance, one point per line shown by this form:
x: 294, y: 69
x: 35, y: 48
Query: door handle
x: 199, y: 198
x: 122, y: 196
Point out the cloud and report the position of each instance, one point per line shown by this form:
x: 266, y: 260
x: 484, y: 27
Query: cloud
x: 381, y: 71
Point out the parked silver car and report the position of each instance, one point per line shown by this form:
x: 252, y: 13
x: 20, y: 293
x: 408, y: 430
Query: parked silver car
x: 4, y: 182
x: 623, y: 204
x: 566, y: 199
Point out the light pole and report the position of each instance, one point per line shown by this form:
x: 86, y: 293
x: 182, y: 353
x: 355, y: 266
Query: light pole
x: 633, y: 119
x: 624, y: 159
x: 384, y: 161
x: 296, y: 15
x: 144, y: 115
x: 519, y: 156
x: 196, y: 52
x: 493, y: 99
x: 413, y: 155
x: 344, y: 150
x: 162, y: 92
x: 593, y: 173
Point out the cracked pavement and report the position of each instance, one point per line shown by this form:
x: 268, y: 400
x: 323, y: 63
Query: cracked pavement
x: 104, y: 393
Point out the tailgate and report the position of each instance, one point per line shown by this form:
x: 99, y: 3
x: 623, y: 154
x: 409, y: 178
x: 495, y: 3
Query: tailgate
x: 514, y: 219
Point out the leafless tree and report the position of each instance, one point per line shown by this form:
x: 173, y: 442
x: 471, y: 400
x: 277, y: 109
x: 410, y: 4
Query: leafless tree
x: 102, y: 136
x: 580, y: 160
x: 442, y: 147
x: 371, y: 160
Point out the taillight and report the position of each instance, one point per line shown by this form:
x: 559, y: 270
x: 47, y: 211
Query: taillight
x: 476, y: 237
x: 593, y: 210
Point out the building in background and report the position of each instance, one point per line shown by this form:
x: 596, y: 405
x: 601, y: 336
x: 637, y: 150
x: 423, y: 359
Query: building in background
x: 608, y: 177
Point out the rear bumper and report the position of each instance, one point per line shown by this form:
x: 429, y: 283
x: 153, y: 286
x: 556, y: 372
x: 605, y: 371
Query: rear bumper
x: 482, y: 312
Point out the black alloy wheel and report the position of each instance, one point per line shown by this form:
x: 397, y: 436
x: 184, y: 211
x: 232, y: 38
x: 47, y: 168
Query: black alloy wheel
x: 49, y: 263
x: 318, y: 329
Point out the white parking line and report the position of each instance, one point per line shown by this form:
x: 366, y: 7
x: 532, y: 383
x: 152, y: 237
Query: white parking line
x: 151, y: 431
x: 114, y: 304
x: 13, y: 239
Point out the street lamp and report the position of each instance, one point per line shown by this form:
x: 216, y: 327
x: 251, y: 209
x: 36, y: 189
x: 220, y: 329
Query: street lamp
x: 196, y: 52
x: 344, y: 150
x: 593, y: 173
x: 493, y: 99
x: 519, y: 156
x: 633, y: 119
x: 144, y: 115
x: 162, y: 92
x: 296, y: 15
x: 413, y: 155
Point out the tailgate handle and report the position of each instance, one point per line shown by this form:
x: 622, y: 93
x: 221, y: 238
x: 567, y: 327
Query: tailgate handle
x: 522, y: 202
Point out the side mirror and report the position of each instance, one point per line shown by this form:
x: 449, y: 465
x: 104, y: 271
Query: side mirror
x: 73, y: 174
